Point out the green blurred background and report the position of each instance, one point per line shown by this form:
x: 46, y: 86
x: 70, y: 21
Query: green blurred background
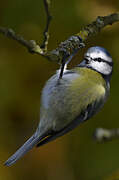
x: 76, y: 156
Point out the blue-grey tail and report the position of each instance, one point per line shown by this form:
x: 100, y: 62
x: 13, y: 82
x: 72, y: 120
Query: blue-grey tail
x: 28, y: 145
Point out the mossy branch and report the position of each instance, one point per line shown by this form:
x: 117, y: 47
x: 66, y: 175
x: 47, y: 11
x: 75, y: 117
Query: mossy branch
x: 68, y: 46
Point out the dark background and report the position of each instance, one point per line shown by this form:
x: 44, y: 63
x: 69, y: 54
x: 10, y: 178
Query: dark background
x: 22, y: 77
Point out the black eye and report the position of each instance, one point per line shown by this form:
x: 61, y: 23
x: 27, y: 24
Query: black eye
x: 98, y: 59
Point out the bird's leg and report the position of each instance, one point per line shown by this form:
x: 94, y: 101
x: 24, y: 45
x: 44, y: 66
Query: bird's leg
x: 66, y: 60
x: 68, y: 57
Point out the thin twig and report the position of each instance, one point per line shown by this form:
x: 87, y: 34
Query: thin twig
x: 31, y: 45
x: 68, y: 57
x: 48, y: 20
x: 102, y: 135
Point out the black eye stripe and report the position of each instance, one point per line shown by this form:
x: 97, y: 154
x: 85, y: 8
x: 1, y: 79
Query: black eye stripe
x: 87, y: 59
x: 102, y: 60
x: 98, y: 59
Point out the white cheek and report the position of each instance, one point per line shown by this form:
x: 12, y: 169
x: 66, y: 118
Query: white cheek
x: 101, y: 67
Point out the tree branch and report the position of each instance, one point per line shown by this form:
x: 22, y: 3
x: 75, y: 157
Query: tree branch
x: 70, y: 45
x: 102, y: 135
x: 74, y: 41
x: 31, y: 45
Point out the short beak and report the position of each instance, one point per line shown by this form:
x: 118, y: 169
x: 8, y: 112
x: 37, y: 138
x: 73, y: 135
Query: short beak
x: 82, y: 64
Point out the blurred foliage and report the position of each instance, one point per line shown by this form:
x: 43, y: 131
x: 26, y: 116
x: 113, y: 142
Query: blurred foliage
x: 113, y: 176
x: 22, y: 77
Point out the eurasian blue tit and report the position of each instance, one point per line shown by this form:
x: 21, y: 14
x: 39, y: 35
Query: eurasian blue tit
x: 68, y: 101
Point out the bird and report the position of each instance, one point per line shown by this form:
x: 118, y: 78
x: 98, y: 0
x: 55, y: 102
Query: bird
x: 71, y: 100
